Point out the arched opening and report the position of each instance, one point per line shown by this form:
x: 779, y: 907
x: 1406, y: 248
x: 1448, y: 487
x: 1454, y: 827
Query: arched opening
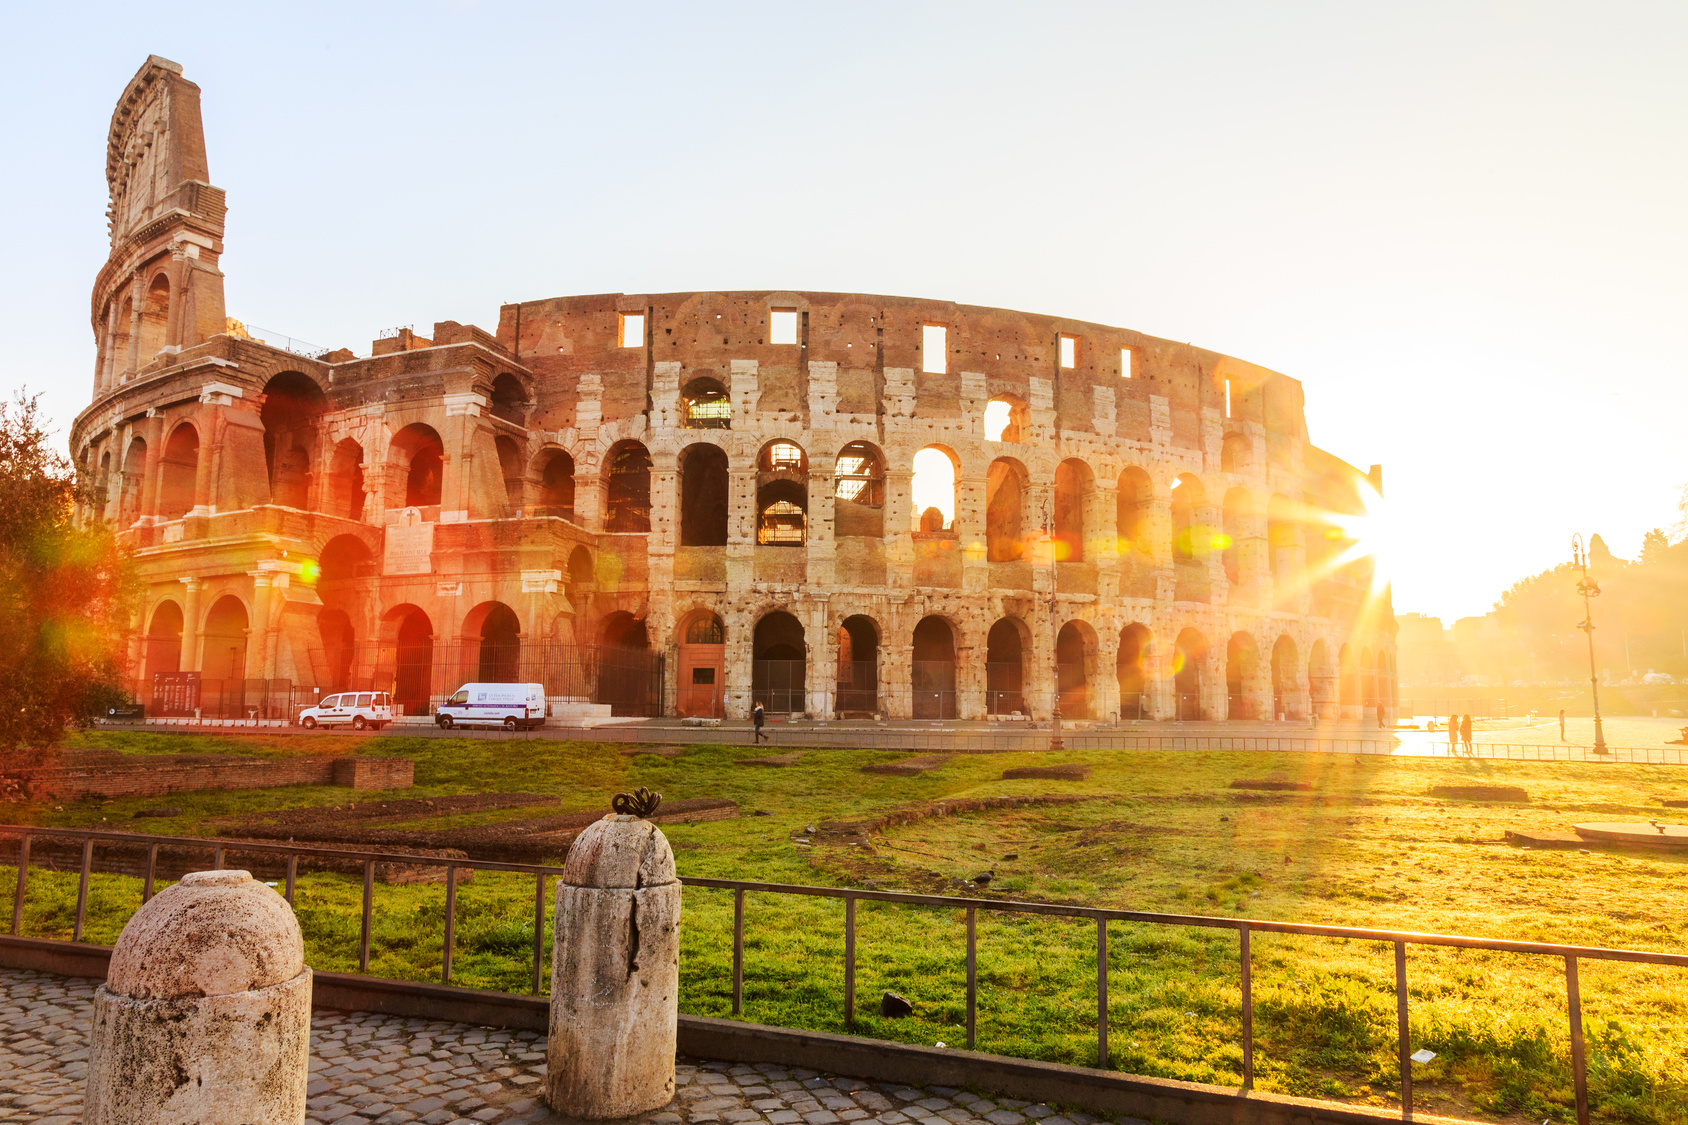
x: 1131, y: 667
x: 164, y: 641
x: 1133, y: 504
x: 130, y: 489
x: 703, y: 647
x: 344, y: 558
x: 509, y: 399
x: 1321, y: 680
x: 1072, y: 651
x: 1348, y: 677
x: 580, y: 568
x: 1282, y: 537
x: 1234, y: 453
x: 120, y: 338
x: 1073, y: 480
x: 409, y: 638
x: 858, y: 667
x: 858, y: 484
x: 556, y: 486
x: 779, y: 663
x: 705, y: 405
x: 935, y: 470
x: 293, y: 404
x: 782, y: 495
x: 704, y: 490
x: 1238, y: 508
x: 499, y: 652
x: 934, y: 669
x: 1004, y: 670
x: 225, y: 643
x: 1187, y: 678
x: 629, y: 673
x: 155, y: 319
x: 177, y: 471
x: 1368, y: 684
x: 628, y: 496
x: 339, y: 641
x: 345, y: 481
x: 1242, y: 665
x: 1005, y: 484
x: 1286, y: 690
x: 417, y: 456
x: 510, y: 466
x: 1191, y: 540
x: 1005, y: 419
x: 102, y: 487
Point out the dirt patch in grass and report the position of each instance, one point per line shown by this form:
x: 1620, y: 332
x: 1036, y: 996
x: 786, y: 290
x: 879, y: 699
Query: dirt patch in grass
x: 1510, y: 793
x: 789, y: 758
x: 1272, y: 784
x: 365, y: 813
x: 659, y: 751
x: 908, y: 767
x: 1070, y: 772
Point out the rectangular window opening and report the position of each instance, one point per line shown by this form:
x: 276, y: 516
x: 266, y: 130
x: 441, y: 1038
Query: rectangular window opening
x: 1125, y: 363
x: 632, y: 330
x: 934, y: 344
x: 782, y: 326
x: 1227, y: 398
x: 1069, y: 351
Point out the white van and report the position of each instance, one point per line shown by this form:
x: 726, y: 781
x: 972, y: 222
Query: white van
x: 511, y: 706
x: 359, y: 708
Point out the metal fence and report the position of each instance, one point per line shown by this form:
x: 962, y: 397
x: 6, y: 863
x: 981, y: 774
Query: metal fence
x: 289, y: 855
x: 189, y: 695
x: 778, y: 685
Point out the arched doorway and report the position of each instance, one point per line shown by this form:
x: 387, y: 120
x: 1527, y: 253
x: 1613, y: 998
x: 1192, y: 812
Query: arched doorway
x: 345, y: 481
x: 1187, y: 679
x: 292, y: 405
x: 177, y: 471
x: 1073, y: 485
x: 779, y: 664
x: 1321, y: 679
x: 858, y: 667
x: 1004, y: 671
x: 1004, y: 502
x: 417, y: 456
x: 410, y: 634
x: 704, y: 489
x: 1071, y: 652
x: 223, y: 682
x: 556, y: 486
x: 627, y: 496
x: 933, y: 679
x: 334, y: 628
x: 1286, y: 691
x: 1130, y: 668
x: 1242, y: 666
x: 629, y: 673
x: 703, y: 662
x: 164, y: 641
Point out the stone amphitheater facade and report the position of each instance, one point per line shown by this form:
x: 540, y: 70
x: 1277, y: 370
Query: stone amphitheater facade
x: 687, y: 502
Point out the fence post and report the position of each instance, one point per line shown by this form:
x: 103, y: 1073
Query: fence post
x: 82, y: 887
x: 450, y: 923
x: 972, y: 976
x: 538, y: 927
x: 1403, y: 1046
x: 1579, y: 1072
x: 738, y: 951
x: 1102, y: 993
x: 849, y: 961
x: 368, y: 910
x: 1246, y: 961
x: 23, y: 881
x: 152, y: 867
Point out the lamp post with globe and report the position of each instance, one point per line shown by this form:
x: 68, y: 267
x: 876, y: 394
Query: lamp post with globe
x: 1588, y: 589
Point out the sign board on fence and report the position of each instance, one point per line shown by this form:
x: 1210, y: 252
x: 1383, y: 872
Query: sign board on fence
x: 410, y: 549
x: 175, y: 693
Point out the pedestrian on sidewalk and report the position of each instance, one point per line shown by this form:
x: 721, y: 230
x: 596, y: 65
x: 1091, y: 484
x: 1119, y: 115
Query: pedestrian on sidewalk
x: 758, y: 716
x: 1453, y: 735
x: 1465, y: 735
x: 1380, y: 714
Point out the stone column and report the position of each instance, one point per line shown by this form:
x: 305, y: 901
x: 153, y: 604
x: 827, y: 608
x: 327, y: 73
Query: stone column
x: 191, y: 588
x: 258, y: 636
x: 205, y: 1014
x: 615, y: 973
x: 131, y: 362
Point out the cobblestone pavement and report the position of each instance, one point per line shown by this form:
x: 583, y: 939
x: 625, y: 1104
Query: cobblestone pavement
x: 388, y: 1070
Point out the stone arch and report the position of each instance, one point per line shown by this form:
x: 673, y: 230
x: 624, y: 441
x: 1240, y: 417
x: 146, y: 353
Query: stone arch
x: 704, y: 492
x: 1235, y: 520
x: 779, y: 663
x: 1286, y: 680
x: 580, y: 567
x: 1006, y: 646
x: 339, y: 643
x: 344, y: 558
x: 627, y: 474
x: 164, y: 640
x: 782, y: 494
x: 1192, y: 540
x: 556, y: 484
x: 933, y: 672
x: 1075, y: 654
x: 1283, y: 536
x: 1348, y: 681
x: 1005, y: 489
x: 292, y: 411
x: 417, y: 457
x: 509, y: 399
x: 407, y: 657
x: 1131, y: 668
x: 857, y: 690
x: 178, y: 471
x: 511, y: 468
x: 1133, y: 507
x: 496, y: 634
x: 1321, y: 680
x: 1189, y: 675
x: 621, y: 630
x: 1006, y: 419
x: 706, y: 405
x: 1368, y: 683
x: 155, y: 318
x: 936, y: 469
x: 1074, y: 484
x: 1234, y: 451
x: 1242, y: 668
x: 225, y: 634
x: 120, y: 338
x: 858, y: 483
x: 132, y: 487
x: 345, y: 481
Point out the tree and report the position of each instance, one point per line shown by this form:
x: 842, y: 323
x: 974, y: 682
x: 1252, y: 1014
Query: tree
x: 1654, y: 547
x: 67, y: 593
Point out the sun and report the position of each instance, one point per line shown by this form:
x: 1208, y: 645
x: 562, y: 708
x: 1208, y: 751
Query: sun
x: 1366, y: 536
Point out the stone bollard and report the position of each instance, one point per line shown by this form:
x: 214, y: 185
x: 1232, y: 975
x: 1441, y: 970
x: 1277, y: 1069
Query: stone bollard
x: 205, y: 1015
x: 615, y: 969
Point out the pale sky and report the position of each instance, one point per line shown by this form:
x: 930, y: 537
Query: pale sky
x: 1460, y: 225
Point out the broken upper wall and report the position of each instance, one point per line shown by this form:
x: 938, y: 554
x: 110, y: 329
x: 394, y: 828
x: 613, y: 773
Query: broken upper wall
x: 155, y: 152
x: 565, y: 339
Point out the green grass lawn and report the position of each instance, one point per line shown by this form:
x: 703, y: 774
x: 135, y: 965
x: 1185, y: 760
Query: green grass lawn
x: 1367, y: 847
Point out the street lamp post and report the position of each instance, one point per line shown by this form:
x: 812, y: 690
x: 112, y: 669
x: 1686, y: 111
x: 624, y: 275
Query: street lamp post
x: 1055, y: 742
x: 1579, y: 559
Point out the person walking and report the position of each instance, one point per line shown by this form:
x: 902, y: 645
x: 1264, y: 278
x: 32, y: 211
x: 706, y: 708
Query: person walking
x: 758, y: 716
x: 1380, y: 714
x: 1453, y: 735
x: 1561, y: 724
x: 1465, y: 735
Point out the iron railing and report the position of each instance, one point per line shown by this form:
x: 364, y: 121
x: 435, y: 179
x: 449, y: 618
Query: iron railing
x: 1245, y: 928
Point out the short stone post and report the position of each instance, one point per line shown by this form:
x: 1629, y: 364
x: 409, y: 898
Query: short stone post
x: 615, y: 968
x: 205, y: 1015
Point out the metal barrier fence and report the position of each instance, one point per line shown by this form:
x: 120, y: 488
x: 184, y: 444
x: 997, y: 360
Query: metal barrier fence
x: 1571, y: 955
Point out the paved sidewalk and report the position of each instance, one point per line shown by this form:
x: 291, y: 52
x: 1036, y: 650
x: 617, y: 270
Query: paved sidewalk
x: 393, y: 1071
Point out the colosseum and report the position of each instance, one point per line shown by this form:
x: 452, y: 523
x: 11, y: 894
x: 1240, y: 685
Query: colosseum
x: 682, y: 504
